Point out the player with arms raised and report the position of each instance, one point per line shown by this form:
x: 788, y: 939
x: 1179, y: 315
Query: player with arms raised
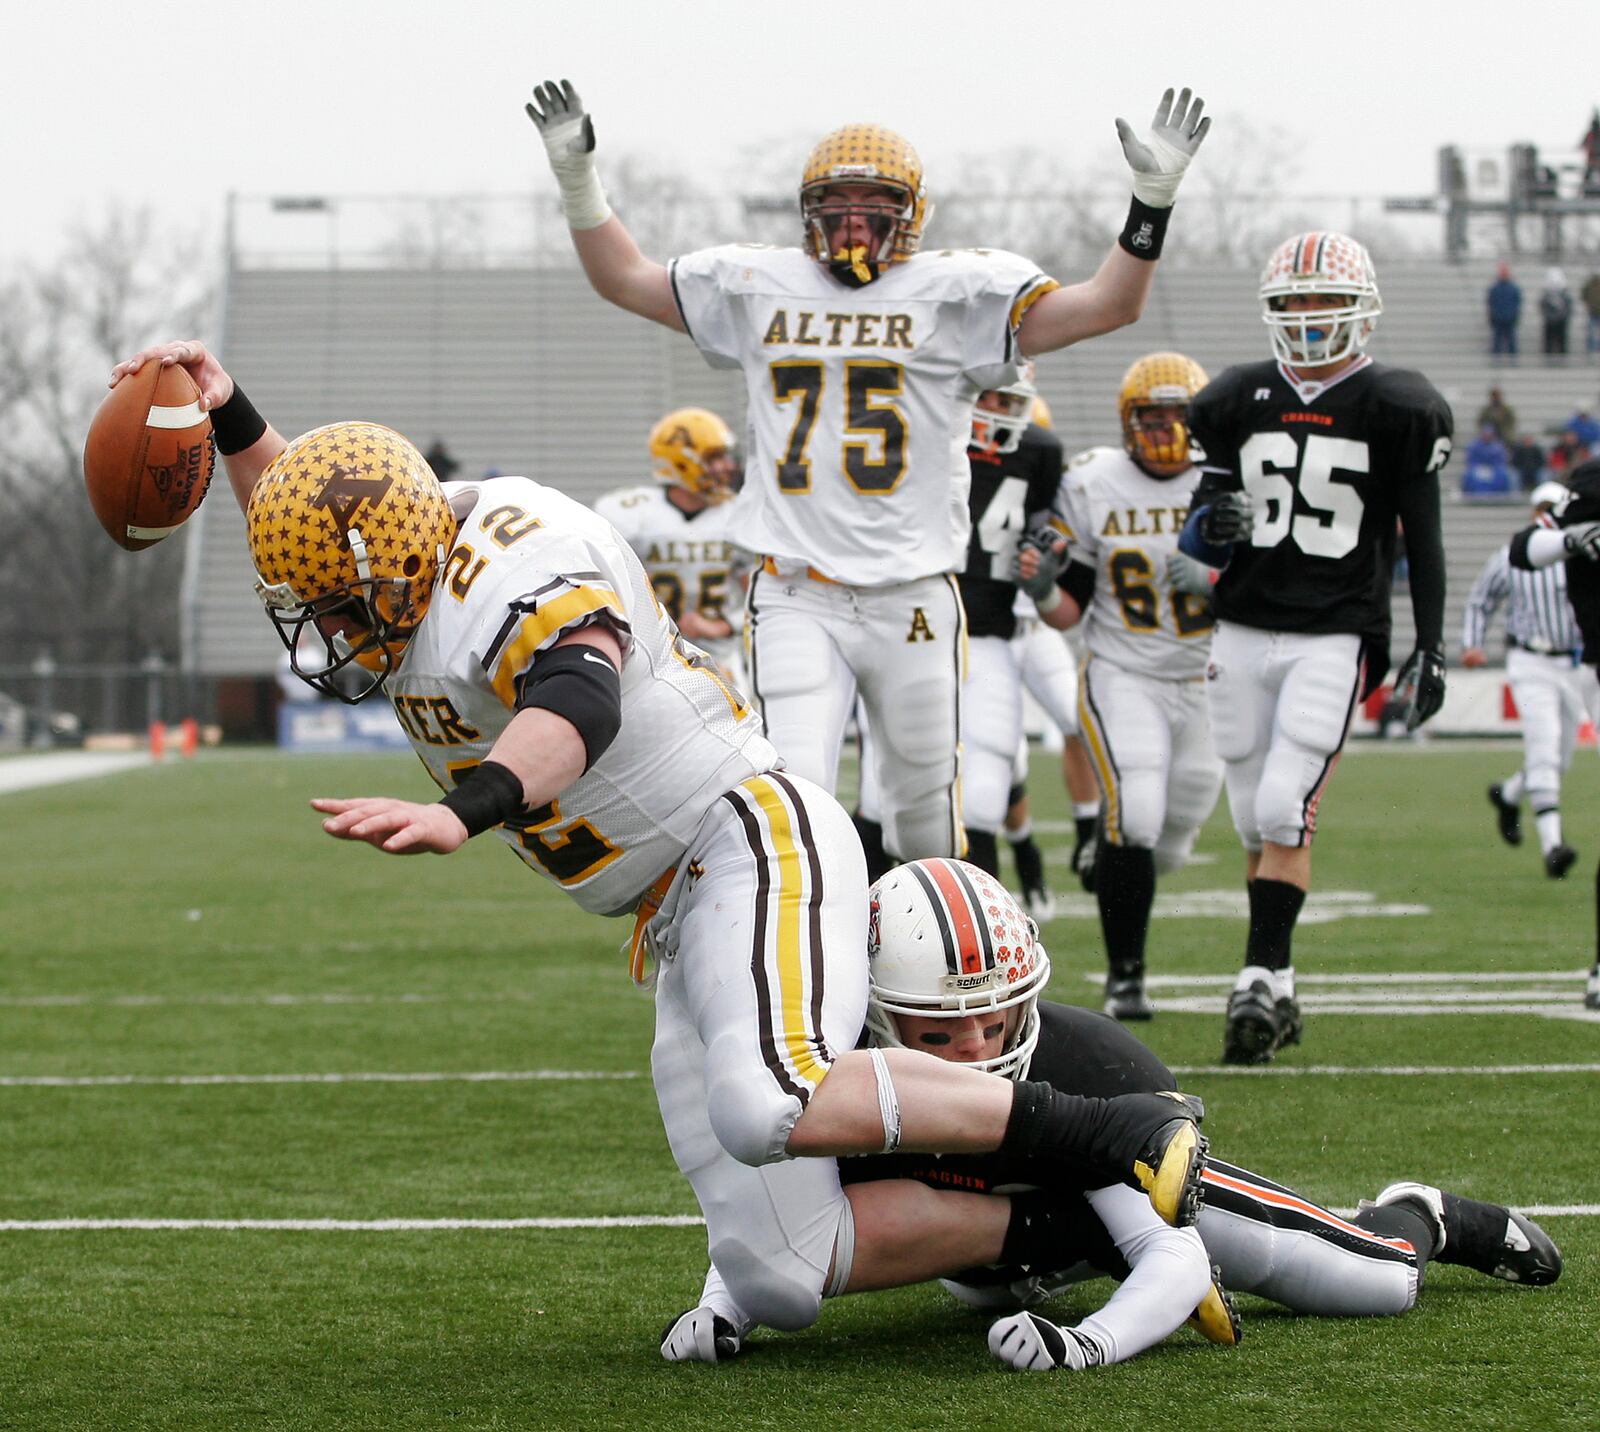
x: 862, y: 356
x: 1309, y: 459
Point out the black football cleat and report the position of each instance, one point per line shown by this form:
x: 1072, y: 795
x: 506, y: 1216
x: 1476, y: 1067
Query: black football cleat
x: 1253, y: 1030
x: 1126, y: 999
x: 1509, y: 815
x: 1290, y: 1025
x: 1591, y: 992
x: 1496, y: 1241
x: 1558, y: 860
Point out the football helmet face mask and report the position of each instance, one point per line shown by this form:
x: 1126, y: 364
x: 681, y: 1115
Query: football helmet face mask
x: 1002, y: 415
x: 348, y: 531
x: 1154, y: 407
x: 945, y: 940
x: 863, y: 203
x: 692, y: 448
x: 1330, y: 265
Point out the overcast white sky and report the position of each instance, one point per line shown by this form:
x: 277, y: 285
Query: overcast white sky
x: 176, y: 106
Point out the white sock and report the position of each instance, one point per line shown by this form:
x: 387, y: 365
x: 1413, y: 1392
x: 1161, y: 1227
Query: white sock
x: 1085, y: 810
x: 1549, y: 824
x: 1511, y: 790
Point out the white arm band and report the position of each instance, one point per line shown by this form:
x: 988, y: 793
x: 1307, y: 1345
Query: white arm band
x: 1546, y: 548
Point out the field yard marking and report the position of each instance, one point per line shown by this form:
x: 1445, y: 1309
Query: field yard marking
x: 489, y: 1076
x: 1264, y: 1071
x: 1419, y: 977
x: 26, y: 773
x: 346, y: 1225
x: 485, y: 1225
x: 1322, y: 907
x: 144, y: 1001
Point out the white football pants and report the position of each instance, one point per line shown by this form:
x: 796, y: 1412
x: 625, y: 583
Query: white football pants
x: 1553, y: 698
x: 813, y: 644
x: 1281, y: 705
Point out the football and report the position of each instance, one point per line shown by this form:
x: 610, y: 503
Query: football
x: 148, y: 457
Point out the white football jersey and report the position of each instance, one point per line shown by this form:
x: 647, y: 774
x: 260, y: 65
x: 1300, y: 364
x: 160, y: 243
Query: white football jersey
x: 1125, y: 524
x: 528, y: 565
x: 858, y: 400
x: 692, y: 564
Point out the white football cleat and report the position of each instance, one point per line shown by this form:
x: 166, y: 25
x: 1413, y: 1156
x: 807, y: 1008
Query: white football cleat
x: 1025, y: 1342
x: 700, y: 1335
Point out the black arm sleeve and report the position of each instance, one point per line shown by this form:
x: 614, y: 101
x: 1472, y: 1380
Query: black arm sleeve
x: 577, y: 682
x: 1418, y: 507
x: 1077, y: 581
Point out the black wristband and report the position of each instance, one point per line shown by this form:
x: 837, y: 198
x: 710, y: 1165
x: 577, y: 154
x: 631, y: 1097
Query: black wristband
x: 488, y: 796
x: 1145, y: 231
x: 236, y: 425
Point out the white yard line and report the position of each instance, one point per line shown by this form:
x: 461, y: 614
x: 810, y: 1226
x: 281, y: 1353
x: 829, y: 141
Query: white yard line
x: 26, y: 773
x: 486, y: 1076
x: 480, y: 1225
x: 1388, y: 1071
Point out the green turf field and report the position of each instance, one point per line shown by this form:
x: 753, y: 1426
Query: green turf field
x: 166, y: 925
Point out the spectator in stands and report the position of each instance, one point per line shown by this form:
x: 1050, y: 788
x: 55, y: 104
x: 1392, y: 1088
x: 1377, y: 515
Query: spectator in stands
x: 1499, y: 415
x: 1584, y: 430
x: 1555, y: 308
x: 1590, y: 293
x: 1566, y: 452
x: 1590, y: 145
x: 1487, y: 473
x: 439, y: 459
x: 1505, y: 309
x: 1528, y: 459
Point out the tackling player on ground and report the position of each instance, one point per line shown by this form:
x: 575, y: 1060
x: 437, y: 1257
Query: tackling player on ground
x: 1308, y: 462
x: 862, y: 355
x: 1253, y: 1235
x: 1147, y: 623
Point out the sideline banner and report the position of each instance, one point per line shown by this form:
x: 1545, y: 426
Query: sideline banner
x: 328, y: 727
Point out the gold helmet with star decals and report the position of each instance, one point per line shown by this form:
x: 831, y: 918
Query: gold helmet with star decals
x: 835, y: 192
x: 692, y: 448
x: 348, y: 530
x: 1154, y: 407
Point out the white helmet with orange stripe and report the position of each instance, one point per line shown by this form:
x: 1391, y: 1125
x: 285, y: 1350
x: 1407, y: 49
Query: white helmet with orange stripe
x: 946, y: 940
x: 1329, y: 265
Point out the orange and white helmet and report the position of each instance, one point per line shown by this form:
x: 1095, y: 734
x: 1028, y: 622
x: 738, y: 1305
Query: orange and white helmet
x: 946, y: 940
x: 686, y: 450
x: 1321, y: 262
x: 1003, y: 424
x: 1160, y: 381
x: 348, y: 531
x: 861, y: 154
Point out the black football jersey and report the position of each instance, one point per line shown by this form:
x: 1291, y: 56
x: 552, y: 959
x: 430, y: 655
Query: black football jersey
x: 1324, y: 477
x: 1080, y: 1051
x: 1583, y: 576
x: 1007, y: 490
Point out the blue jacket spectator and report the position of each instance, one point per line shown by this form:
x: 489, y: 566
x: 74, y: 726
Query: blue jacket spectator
x: 1505, y: 309
x: 1585, y: 429
x: 1487, y: 470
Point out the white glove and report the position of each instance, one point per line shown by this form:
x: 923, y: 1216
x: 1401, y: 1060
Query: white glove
x: 1185, y: 574
x: 568, y: 134
x: 700, y: 1335
x: 1175, y: 134
x: 1583, y: 540
x: 1025, y: 1342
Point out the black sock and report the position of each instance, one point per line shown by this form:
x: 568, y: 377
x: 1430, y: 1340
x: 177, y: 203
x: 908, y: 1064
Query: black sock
x: 1030, y: 862
x: 983, y: 850
x: 871, y: 833
x: 1475, y: 1233
x: 1111, y: 1134
x: 1397, y: 1220
x: 1274, y: 907
x: 1083, y: 827
x: 1125, y: 887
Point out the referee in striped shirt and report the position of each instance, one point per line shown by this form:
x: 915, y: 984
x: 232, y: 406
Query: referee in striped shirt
x: 1552, y: 691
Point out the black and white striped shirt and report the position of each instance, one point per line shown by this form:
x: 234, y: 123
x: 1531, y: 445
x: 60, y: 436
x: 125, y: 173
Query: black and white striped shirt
x: 1538, y: 615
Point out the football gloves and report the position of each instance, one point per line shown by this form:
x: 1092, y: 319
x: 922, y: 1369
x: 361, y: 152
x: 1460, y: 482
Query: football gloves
x: 1043, y: 536
x: 1025, y: 1342
x: 1583, y: 541
x: 568, y: 133
x: 1229, y: 518
x: 700, y: 1335
x: 1158, y: 162
x: 1419, y: 688
x: 1185, y: 574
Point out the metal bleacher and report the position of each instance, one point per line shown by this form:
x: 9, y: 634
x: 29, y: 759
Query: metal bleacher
x: 526, y: 370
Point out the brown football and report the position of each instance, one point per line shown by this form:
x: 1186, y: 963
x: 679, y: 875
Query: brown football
x: 149, y: 456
